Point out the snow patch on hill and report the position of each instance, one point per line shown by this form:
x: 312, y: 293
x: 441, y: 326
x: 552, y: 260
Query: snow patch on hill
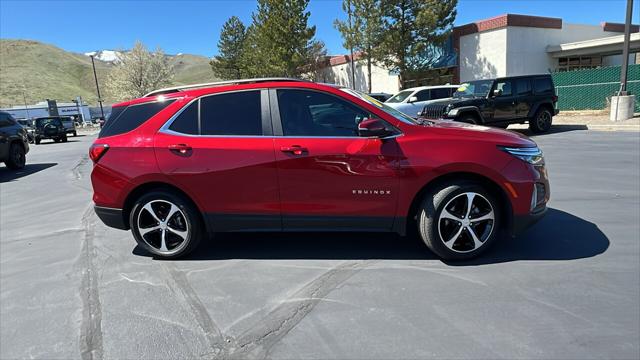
x: 105, y: 55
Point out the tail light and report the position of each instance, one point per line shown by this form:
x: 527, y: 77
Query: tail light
x: 96, y: 151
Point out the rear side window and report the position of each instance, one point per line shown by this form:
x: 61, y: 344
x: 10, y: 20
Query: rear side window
x: 187, y: 121
x: 123, y: 119
x: 440, y: 93
x: 422, y: 95
x: 543, y: 85
x: 235, y: 113
x: 523, y: 86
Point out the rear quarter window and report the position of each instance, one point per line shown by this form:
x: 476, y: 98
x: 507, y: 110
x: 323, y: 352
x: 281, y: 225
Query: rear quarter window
x: 543, y: 85
x: 124, y: 119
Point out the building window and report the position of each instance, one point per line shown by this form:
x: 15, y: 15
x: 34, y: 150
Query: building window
x: 579, y: 62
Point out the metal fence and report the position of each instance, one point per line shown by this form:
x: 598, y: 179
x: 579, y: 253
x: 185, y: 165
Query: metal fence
x: 591, y: 89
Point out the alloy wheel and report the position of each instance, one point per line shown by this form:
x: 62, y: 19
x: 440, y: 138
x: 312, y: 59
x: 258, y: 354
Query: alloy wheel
x: 163, y: 226
x: 466, y: 222
x: 544, y: 119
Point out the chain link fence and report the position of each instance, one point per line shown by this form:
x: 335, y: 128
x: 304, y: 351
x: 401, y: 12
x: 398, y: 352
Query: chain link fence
x: 591, y: 89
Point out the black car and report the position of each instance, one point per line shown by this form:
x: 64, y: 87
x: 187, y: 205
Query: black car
x: 500, y: 102
x: 382, y: 97
x: 49, y: 128
x: 13, y: 142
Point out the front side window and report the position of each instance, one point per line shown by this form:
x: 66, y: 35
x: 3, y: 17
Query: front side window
x: 311, y: 113
x: 504, y: 88
x: 477, y: 88
x: 236, y: 113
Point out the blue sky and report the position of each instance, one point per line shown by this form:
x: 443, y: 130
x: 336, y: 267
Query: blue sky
x: 193, y: 26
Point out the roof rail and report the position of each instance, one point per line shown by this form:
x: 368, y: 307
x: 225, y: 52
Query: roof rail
x: 174, y: 89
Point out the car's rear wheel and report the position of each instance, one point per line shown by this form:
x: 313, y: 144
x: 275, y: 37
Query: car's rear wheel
x: 165, y: 224
x: 64, y: 138
x: 38, y: 140
x: 75, y: 133
x: 16, y: 158
x: 459, y: 221
x: 541, y: 123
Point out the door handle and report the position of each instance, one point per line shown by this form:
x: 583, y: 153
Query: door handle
x: 295, y: 149
x: 181, y: 149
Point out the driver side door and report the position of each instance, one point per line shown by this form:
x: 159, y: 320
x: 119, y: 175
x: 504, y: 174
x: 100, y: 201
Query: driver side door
x: 330, y: 178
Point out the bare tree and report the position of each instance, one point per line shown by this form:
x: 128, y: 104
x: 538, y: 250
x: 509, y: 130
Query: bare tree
x: 138, y: 72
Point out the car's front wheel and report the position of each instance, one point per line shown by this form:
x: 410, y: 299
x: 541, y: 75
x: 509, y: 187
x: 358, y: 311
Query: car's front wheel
x: 38, y: 140
x: 16, y: 158
x: 459, y: 221
x: 166, y: 224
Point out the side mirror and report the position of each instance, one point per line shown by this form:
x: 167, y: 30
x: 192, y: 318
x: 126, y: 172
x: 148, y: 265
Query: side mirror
x: 373, y: 128
x: 412, y: 99
x: 497, y: 92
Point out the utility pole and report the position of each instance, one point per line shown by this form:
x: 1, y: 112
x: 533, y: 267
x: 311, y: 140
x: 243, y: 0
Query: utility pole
x: 625, y: 50
x: 26, y: 108
x: 95, y: 76
x: 353, y: 70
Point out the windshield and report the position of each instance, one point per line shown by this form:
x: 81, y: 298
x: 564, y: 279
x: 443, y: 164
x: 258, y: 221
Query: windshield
x: 399, y: 97
x: 391, y: 111
x: 478, y: 88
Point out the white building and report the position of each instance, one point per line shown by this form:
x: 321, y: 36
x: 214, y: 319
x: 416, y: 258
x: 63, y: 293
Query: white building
x: 509, y: 45
x: 338, y: 71
x: 41, y: 109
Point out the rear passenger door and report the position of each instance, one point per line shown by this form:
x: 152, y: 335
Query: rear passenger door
x: 524, y: 98
x: 220, y: 148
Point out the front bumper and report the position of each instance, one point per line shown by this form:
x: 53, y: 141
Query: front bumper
x: 111, y: 217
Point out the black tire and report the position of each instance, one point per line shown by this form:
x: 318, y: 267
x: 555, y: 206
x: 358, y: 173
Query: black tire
x: 541, y: 122
x: 17, y: 158
x: 501, y: 126
x: 56, y: 140
x: 189, y: 219
x: 64, y: 138
x: 75, y: 133
x: 430, y: 222
x: 468, y: 118
x: 37, y: 140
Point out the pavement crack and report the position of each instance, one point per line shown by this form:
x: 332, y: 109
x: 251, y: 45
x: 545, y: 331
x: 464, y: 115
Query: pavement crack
x: 91, y: 326
x: 287, y: 315
x: 212, y: 333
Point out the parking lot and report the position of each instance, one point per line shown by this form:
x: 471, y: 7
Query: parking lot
x: 568, y: 288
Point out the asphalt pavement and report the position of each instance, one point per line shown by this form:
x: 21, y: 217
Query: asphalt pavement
x: 568, y: 288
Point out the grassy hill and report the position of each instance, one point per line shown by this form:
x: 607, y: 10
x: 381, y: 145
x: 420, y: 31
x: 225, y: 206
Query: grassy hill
x: 44, y: 71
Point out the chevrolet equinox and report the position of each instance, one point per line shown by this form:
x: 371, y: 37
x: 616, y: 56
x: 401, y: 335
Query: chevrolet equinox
x: 182, y: 163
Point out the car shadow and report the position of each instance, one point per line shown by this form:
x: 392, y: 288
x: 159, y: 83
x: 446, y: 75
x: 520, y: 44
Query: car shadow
x: 51, y: 142
x: 555, y: 129
x: 558, y: 236
x: 7, y: 174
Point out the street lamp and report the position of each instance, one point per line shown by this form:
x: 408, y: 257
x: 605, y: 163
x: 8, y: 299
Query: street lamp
x: 97, y: 87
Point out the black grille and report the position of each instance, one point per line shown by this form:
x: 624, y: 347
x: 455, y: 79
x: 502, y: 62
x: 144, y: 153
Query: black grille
x: 434, y: 111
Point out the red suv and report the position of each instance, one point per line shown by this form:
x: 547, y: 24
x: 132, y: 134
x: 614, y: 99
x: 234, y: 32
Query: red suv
x: 287, y: 155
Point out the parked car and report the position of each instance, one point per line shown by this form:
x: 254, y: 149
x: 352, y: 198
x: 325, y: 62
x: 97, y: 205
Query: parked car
x: 69, y: 123
x: 287, y: 155
x: 412, y: 101
x: 382, y: 97
x: 49, y: 128
x: 14, y: 145
x: 500, y: 102
x: 28, y: 125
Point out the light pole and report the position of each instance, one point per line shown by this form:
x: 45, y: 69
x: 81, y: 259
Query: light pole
x: 353, y: 70
x: 95, y: 76
x: 625, y: 50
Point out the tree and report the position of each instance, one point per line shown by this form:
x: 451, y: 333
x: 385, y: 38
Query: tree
x: 138, y: 72
x: 227, y: 65
x: 363, y: 31
x: 279, y: 42
x: 413, y: 31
